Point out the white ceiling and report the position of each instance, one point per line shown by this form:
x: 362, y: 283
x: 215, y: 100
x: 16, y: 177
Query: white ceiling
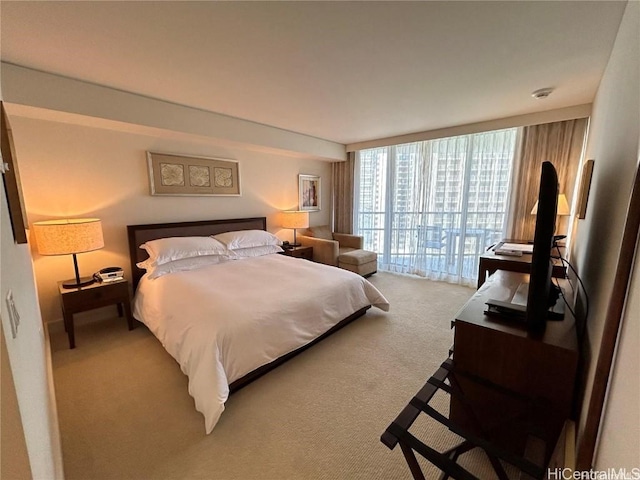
x: 341, y: 71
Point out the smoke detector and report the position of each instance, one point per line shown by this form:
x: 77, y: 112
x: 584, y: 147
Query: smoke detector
x: 542, y: 93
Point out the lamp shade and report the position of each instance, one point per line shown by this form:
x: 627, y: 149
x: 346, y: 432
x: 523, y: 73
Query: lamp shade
x: 68, y: 236
x: 295, y: 219
x: 563, y: 206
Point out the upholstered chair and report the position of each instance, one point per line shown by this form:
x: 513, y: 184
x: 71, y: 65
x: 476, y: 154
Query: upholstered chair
x: 327, y: 245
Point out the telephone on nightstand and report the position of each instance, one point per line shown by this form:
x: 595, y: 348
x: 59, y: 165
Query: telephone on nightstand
x: 109, y: 274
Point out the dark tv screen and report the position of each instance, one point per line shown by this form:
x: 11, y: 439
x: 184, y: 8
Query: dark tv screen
x: 541, y: 263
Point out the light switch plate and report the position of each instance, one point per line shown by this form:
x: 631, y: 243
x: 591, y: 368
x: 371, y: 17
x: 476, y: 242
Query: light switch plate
x: 14, y: 316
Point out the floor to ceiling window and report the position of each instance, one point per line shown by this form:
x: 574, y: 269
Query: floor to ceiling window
x: 431, y: 208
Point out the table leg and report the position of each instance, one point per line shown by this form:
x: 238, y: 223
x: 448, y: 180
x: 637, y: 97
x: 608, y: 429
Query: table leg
x: 127, y: 309
x: 68, y: 327
x: 482, y: 274
x: 119, y: 305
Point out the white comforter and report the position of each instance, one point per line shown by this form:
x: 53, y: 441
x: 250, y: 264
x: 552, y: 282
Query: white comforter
x: 223, y: 321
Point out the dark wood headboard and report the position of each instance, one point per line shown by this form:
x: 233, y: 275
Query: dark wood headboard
x: 138, y: 234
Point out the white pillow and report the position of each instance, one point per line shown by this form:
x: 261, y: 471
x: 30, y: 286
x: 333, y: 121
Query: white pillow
x: 164, y: 250
x: 185, y: 264
x: 256, y: 251
x: 247, y: 238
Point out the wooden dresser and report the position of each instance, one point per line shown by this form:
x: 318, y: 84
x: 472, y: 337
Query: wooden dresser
x: 504, y: 370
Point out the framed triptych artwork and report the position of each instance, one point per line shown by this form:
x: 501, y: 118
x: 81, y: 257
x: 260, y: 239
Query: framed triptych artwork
x: 171, y: 174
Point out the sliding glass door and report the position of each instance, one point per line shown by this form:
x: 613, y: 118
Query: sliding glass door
x: 431, y: 208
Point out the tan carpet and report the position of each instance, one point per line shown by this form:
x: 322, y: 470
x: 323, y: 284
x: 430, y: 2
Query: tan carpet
x: 125, y: 411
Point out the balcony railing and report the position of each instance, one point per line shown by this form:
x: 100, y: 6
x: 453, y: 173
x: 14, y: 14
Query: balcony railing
x: 431, y: 241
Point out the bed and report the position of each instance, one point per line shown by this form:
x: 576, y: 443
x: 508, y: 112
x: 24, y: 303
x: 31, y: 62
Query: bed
x: 227, y: 324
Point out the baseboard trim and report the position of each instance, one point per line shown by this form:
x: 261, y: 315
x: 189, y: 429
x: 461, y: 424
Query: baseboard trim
x: 54, y: 427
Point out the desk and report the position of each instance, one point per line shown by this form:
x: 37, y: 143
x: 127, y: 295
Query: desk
x: 540, y: 367
x: 490, y: 262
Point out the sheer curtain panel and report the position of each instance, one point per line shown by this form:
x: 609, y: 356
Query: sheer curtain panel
x: 431, y: 208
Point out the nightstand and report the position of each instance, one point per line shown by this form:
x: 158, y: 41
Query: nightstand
x: 299, y: 252
x: 96, y: 295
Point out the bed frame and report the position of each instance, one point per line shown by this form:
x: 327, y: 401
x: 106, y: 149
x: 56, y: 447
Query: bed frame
x: 138, y: 234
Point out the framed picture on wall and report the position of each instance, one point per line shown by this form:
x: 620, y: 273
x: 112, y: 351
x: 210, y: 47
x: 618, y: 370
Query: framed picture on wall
x: 585, y: 186
x: 184, y: 175
x: 309, y: 193
x: 11, y: 179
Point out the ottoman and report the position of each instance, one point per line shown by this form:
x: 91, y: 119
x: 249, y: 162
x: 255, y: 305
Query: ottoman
x: 362, y: 262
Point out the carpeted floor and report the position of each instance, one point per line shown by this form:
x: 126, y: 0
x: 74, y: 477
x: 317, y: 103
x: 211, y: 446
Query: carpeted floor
x: 125, y: 412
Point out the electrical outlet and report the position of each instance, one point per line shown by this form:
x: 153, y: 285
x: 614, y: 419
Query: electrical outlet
x: 14, y: 316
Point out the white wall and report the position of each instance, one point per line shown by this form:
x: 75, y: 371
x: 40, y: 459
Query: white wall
x: 14, y: 457
x: 27, y: 353
x: 613, y: 144
x: 619, y: 444
x: 70, y: 170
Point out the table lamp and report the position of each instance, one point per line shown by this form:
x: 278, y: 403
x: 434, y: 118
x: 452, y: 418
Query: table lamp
x: 69, y: 237
x: 295, y: 219
x: 563, y: 206
x: 563, y: 210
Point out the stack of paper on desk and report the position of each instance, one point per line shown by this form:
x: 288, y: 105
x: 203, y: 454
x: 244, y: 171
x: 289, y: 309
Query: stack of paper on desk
x: 515, y: 249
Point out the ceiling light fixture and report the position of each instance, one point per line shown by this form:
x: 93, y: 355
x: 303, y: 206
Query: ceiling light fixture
x: 542, y: 93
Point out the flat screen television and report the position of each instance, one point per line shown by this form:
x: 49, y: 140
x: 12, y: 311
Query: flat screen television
x: 539, y: 297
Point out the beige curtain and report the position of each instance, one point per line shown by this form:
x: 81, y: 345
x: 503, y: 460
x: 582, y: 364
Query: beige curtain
x: 560, y: 143
x: 342, y: 179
